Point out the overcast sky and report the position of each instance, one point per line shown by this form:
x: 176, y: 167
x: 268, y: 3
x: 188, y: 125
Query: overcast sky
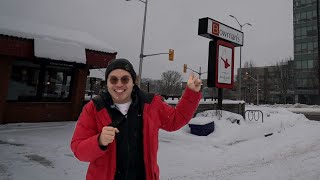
x: 170, y: 24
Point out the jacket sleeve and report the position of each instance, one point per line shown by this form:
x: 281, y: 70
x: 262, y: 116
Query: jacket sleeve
x: 173, y: 118
x: 84, y: 143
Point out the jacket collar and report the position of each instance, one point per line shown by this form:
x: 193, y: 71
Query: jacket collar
x: 108, y: 99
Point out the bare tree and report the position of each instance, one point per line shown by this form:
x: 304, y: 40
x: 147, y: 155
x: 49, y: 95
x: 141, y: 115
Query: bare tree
x: 150, y: 85
x: 171, y: 82
x: 249, y: 65
x: 249, y: 86
x: 283, y: 77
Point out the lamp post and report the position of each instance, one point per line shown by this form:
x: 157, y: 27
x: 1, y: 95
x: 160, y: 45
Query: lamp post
x: 142, y: 40
x: 241, y: 25
x: 257, y: 81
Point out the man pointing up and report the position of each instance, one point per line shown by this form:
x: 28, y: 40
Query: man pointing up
x: 117, y: 131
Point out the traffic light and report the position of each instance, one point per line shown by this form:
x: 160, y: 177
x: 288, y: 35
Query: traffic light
x: 171, y: 54
x: 185, y: 68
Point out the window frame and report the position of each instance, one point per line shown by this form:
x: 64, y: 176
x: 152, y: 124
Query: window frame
x: 45, y: 65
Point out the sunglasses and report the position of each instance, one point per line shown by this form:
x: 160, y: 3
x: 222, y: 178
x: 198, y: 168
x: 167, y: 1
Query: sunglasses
x: 123, y: 79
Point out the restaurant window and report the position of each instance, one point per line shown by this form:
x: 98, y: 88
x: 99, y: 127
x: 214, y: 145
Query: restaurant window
x: 57, y: 82
x: 40, y: 81
x: 24, y: 80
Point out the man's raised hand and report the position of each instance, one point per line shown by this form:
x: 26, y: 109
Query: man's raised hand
x: 194, y: 82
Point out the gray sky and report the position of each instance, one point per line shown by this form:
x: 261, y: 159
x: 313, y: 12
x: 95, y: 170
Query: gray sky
x: 170, y: 24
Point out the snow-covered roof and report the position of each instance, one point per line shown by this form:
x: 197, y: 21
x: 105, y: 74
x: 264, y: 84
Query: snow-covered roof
x: 53, y: 42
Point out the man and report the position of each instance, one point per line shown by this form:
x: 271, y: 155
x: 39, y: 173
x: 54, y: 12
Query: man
x: 117, y: 132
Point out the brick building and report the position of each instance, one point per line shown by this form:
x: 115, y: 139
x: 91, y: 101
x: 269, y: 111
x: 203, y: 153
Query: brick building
x: 43, y: 71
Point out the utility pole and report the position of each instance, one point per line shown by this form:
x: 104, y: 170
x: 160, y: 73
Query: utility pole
x: 240, y: 73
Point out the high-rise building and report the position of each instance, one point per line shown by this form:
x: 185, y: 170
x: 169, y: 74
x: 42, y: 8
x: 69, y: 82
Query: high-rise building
x: 306, y: 52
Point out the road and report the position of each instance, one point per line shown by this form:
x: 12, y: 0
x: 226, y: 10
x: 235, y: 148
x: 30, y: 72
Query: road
x: 315, y: 117
x: 312, y: 114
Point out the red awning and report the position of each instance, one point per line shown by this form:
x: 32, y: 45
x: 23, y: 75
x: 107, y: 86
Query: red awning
x: 96, y: 59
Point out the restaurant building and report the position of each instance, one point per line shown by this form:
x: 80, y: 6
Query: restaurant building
x: 43, y: 71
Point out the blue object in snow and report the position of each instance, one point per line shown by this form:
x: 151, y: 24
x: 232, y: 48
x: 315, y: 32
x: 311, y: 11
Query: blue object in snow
x: 202, y: 130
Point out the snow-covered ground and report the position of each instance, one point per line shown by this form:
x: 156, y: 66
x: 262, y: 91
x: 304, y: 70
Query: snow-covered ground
x: 233, y: 151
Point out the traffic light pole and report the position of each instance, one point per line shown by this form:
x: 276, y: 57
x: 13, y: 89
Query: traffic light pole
x: 145, y: 2
x: 199, y: 73
x: 142, y: 40
x: 146, y: 55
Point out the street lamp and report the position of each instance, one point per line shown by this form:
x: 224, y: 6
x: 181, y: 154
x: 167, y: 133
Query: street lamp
x: 257, y: 81
x: 142, y: 40
x: 241, y: 25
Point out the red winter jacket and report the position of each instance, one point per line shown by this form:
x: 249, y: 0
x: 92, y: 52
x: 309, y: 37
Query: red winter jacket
x: 156, y: 115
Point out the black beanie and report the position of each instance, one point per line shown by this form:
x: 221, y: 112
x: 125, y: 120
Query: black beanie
x: 121, y: 64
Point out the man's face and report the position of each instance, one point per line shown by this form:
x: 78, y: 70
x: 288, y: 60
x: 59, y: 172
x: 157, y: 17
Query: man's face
x: 120, y: 85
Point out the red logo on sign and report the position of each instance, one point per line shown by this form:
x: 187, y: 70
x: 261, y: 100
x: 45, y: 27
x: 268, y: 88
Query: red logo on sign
x: 226, y: 64
x: 215, y: 28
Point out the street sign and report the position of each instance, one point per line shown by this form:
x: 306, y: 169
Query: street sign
x: 211, y: 29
